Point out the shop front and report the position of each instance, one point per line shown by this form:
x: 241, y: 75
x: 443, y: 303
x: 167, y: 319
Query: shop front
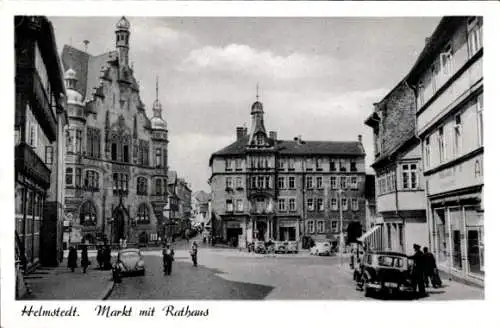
x: 288, y: 229
x: 457, y: 219
x: 232, y: 230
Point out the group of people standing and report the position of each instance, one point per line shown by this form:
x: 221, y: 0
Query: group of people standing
x: 424, y: 269
x: 168, y: 257
x: 103, y: 258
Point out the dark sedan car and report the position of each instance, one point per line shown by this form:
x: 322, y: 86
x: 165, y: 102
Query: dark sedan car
x: 383, y: 271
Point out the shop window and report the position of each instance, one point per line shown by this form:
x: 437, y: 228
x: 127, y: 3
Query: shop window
x: 474, y: 223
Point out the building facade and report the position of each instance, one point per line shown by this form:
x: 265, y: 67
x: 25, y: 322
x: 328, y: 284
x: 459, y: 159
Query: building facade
x: 200, y: 212
x: 39, y: 120
x: 116, y: 158
x: 448, y: 83
x: 371, y: 202
x: 398, y: 170
x: 263, y: 188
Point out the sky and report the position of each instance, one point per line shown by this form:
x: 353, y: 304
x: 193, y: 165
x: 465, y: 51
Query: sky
x: 318, y: 77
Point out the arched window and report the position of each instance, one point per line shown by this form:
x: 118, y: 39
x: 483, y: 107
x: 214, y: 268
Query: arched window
x: 142, y: 214
x: 125, y: 153
x: 142, y: 186
x: 88, y: 214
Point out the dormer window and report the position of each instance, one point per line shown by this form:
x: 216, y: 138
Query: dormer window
x: 260, y: 139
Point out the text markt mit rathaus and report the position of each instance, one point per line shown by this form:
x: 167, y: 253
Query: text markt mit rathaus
x: 57, y: 312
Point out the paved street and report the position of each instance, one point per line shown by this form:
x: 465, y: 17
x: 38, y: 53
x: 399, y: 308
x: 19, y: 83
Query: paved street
x: 230, y: 274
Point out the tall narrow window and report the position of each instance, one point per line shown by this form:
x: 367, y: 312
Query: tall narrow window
x: 480, y: 119
x: 343, y: 182
x: 158, y: 186
x: 292, y: 205
x: 319, y: 182
x: 69, y: 176
x: 309, y: 182
x: 354, y: 167
x: 427, y: 152
x: 88, y: 214
x: 78, y: 177
x: 333, y: 165
x: 49, y: 153
x: 441, y: 141
x: 114, y: 155
x: 158, y: 157
x: 334, y: 183
x: 320, y: 205
x: 281, y: 182
x: 78, y: 141
x: 474, y: 35
x: 164, y: 158
x: 457, y: 145
x: 229, y: 165
x: 344, y: 204
x: 291, y: 182
x: 125, y: 153
x: 446, y: 59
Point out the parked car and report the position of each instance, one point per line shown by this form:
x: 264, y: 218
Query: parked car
x: 321, y: 248
x: 281, y: 247
x: 129, y: 261
x: 260, y: 247
x: 383, y: 272
x: 292, y: 247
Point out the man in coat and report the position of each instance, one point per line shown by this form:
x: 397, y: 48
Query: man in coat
x: 168, y: 258
x: 418, y: 270
x: 431, y: 271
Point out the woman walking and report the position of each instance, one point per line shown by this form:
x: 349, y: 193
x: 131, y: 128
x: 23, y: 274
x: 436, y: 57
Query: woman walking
x: 72, y: 258
x: 85, y: 258
x: 194, y: 253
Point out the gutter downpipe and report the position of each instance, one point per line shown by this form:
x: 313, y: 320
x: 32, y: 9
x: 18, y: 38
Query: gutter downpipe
x: 397, y: 208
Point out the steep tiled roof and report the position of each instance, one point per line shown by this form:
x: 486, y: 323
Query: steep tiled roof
x: 94, y: 70
x: 86, y: 66
x: 292, y: 147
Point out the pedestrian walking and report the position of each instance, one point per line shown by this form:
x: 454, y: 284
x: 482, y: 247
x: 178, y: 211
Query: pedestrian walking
x: 72, y: 258
x: 431, y: 271
x: 106, y: 257
x: 85, y: 258
x: 168, y: 258
x: 100, y: 257
x: 194, y: 253
x: 418, y: 271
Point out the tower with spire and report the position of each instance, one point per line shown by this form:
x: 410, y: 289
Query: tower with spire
x: 258, y: 134
x: 157, y: 121
x: 122, y: 40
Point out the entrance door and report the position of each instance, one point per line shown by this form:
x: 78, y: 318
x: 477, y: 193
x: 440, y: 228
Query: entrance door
x: 261, y: 230
x: 118, y: 226
x: 457, y: 250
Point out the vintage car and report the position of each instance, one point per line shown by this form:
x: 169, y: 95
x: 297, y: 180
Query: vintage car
x: 281, y: 247
x: 292, y: 247
x: 259, y: 247
x: 129, y: 261
x: 321, y: 248
x: 383, y: 272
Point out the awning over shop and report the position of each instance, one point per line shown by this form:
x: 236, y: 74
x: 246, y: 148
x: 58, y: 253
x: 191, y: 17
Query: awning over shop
x: 372, y: 238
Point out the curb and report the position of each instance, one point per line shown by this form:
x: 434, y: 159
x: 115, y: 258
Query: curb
x: 107, y: 291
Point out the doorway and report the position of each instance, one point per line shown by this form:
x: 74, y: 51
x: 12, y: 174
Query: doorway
x: 118, y: 226
x: 261, y: 230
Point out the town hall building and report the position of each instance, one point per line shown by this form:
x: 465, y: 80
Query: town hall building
x: 116, y: 163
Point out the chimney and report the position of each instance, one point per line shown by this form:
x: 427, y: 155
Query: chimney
x: 240, y: 132
x: 273, y: 135
x: 360, y: 138
x: 298, y: 139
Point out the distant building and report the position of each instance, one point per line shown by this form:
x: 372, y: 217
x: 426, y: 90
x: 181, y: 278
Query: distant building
x: 116, y: 158
x: 265, y: 188
x: 371, y: 202
x: 448, y: 82
x: 39, y: 122
x: 398, y: 170
x: 200, y: 210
